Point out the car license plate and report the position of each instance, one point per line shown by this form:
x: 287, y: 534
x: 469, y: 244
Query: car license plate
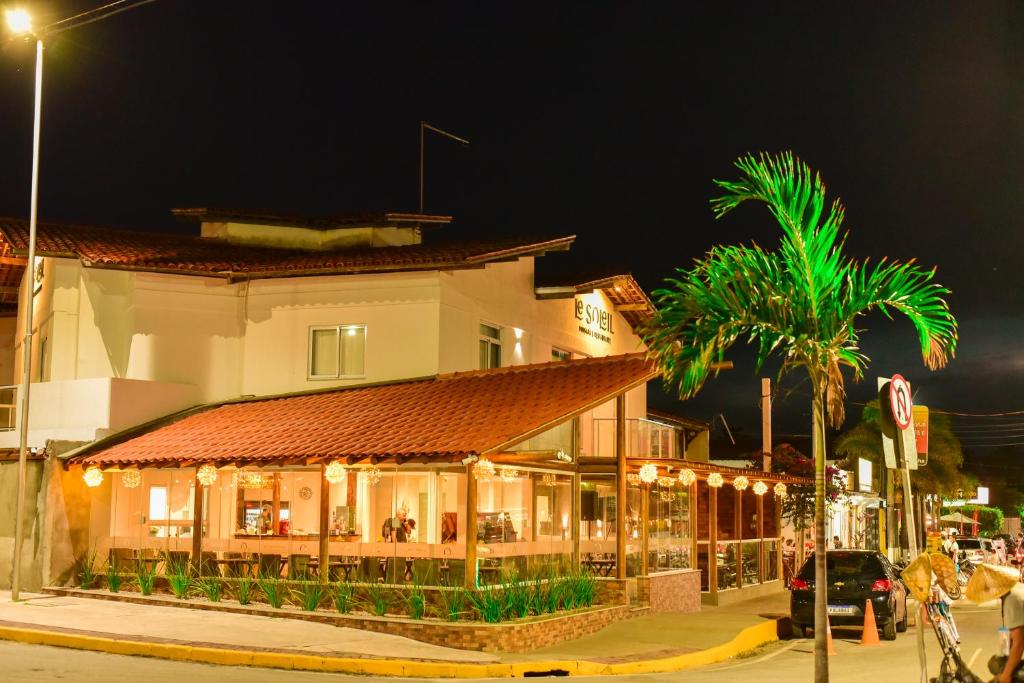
x: 840, y: 609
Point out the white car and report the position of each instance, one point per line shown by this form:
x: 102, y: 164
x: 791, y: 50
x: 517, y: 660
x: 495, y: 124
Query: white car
x: 976, y: 550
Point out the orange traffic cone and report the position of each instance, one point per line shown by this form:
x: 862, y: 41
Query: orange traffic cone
x: 828, y: 633
x: 870, y: 634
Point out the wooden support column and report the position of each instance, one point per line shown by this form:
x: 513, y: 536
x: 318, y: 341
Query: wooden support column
x: 470, y: 580
x: 574, y: 525
x: 693, y: 525
x: 760, y: 535
x: 276, y: 503
x: 197, y: 525
x: 737, y: 524
x: 645, y: 529
x: 621, y: 470
x: 325, y: 525
x: 712, y: 540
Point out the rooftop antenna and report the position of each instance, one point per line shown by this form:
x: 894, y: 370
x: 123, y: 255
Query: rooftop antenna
x: 720, y: 416
x: 424, y: 126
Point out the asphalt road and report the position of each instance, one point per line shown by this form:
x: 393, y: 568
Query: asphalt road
x: 786, y: 661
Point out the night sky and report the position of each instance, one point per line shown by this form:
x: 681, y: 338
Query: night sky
x: 608, y: 121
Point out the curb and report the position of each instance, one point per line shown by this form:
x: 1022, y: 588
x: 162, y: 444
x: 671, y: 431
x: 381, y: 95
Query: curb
x: 747, y: 639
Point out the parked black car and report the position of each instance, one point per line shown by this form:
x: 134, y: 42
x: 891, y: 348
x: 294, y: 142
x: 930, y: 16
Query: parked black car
x: 854, y: 577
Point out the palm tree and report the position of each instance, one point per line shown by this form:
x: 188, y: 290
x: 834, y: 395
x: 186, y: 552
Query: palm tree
x: 799, y: 301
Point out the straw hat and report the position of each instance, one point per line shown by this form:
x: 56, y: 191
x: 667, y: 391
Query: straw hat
x: 990, y: 582
x: 918, y: 577
x: 945, y: 572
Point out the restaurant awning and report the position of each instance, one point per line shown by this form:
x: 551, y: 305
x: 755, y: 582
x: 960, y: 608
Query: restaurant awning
x: 442, y: 418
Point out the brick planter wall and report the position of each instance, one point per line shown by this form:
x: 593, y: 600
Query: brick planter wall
x: 523, y: 635
x: 672, y: 591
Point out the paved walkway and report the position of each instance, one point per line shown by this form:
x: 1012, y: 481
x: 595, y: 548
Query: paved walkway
x: 655, y: 641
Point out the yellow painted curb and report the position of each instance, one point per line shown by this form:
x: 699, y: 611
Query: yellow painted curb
x: 747, y: 639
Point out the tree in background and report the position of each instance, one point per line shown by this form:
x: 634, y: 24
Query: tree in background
x: 798, y: 505
x: 943, y: 475
x: 800, y: 301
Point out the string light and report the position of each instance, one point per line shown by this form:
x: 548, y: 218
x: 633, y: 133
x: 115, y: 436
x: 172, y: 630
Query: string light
x: 741, y: 483
x: 760, y: 488
x: 131, y: 479
x: 715, y: 480
x: 687, y: 477
x: 335, y: 472
x: 508, y: 474
x: 666, y: 482
x: 548, y: 479
x: 780, y: 490
x: 633, y: 479
x: 206, y: 475
x: 253, y: 480
x: 93, y: 477
x: 648, y: 473
x: 483, y: 470
x: 373, y: 475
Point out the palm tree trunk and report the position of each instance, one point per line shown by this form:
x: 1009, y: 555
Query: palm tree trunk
x: 820, y: 582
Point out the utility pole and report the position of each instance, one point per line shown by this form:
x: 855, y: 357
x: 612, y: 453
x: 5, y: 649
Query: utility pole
x: 766, y: 424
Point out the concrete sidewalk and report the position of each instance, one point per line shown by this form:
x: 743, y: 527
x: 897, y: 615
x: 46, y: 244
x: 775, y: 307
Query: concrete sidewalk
x: 650, y: 643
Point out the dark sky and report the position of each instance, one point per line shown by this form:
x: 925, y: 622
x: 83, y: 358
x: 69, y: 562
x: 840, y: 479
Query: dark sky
x: 604, y: 120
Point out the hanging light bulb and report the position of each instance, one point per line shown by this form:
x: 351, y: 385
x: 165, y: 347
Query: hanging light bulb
x: 483, y: 470
x: 760, y: 488
x: 508, y: 474
x: 335, y: 472
x: 207, y: 475
x: 687, y: 477
x: 741, y: 483
x: 131, y: 479
x: 715, y: 480
x: 648, y: 473
x: 780, y: 490
x: 93, y: 477
x: 373, y: 475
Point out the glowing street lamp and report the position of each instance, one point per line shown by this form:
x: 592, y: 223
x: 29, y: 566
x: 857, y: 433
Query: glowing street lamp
x: 19, y: 21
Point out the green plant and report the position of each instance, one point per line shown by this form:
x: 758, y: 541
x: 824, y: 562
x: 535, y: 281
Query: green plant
x: 453, y: 602
x: 179, y: 580
x: 553, y: 594
x: 272, y: 590
x: 85, y: 569
x: 145, y: 575
x: 243, y: 590
x: 378, y: 599
x: 489, y: 604
x: 578, y: 590
x: 310, y: 594
x: 343, y: 596
x: 114, y: 578
x: 416, y: 601
x: 801, y: 301
x: 516, y: 595
x: 210, y: 586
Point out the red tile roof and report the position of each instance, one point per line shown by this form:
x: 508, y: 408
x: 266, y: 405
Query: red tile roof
x: 193, y: 255
x: 445, y: 417
x: 340, y: 220
x: 622, y: 290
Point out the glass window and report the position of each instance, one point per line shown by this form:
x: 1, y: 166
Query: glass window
x: 490, y: 347
x: 337, y: 351
x: 158, y: 502
x: 560, y: 354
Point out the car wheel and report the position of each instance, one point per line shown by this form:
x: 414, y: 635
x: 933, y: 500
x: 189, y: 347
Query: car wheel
x: 889, y: 629
x: 901, y: 626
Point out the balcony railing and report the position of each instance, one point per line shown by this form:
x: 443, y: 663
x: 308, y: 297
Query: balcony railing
x: 8, y: 407
x: 644, y: 439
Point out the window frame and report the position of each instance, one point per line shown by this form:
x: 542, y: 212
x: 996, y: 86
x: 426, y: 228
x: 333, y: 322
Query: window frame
x: 339, y: 329
x: 491, y: 342
x: 560, y: 351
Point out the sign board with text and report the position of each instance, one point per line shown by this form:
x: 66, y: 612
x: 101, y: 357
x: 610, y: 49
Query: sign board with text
x: 921, y: 434
x: 593, y: 320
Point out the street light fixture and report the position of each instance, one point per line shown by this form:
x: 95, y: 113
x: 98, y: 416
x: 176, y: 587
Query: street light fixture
x: 19, y: 21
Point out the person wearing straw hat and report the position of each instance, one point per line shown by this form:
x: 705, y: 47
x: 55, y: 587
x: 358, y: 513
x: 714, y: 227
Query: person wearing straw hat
x: 988, y: 583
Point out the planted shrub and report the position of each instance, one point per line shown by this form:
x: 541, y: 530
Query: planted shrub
x: 179, y: 579
x: 453, y: 602
x: 378, y: 599
x: 211, y: 587
x: 85, y: 568
x: 114, y: 578
x: 145, y: 575
x: 416, y: 601
x: 310, y: 594
x: 343, y: 597
x: 516, y: 596
x: 272, y: 590
x: 243, y: 590
x: 489, y: 605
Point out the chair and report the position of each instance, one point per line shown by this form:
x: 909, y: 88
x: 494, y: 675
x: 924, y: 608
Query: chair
x: 269, y: 565
x: 298, y: 566
x: 233, y: 569
x: 208, y: 564
x: 122, y: 558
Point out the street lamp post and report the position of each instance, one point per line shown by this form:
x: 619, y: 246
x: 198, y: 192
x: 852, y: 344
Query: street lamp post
x: 20, y: 23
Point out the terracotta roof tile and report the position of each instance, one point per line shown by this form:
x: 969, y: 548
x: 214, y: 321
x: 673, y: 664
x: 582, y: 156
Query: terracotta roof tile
x: 193, y: 255
x: 451, y: 416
